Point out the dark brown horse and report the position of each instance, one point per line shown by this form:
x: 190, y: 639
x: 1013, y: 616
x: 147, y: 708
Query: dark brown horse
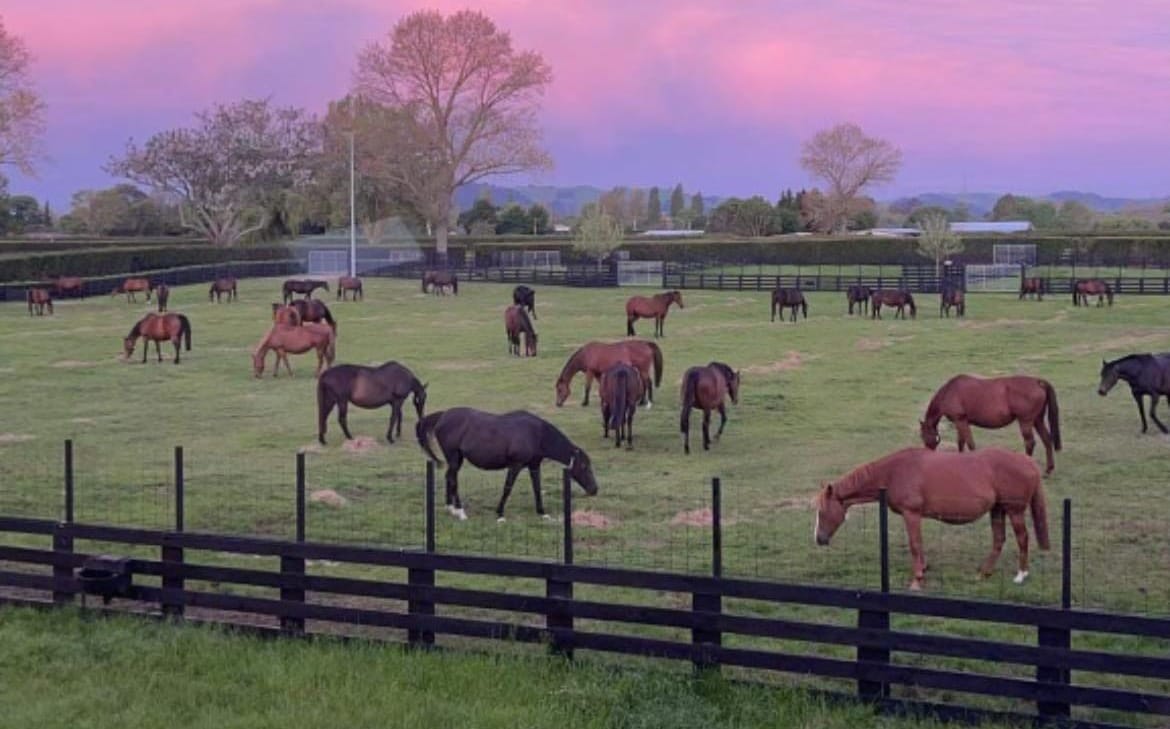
x: 132, y: 286
x: 952, y: 296
x: 439, y: 281
x: 162, y: 294
x: 1086, y: 287
x: 706, y: 387
x: 1034, y: 285
x: 890, y: 297
x: 223, y: 285
x: 69, y: 286
x: 526, y: 297
x: 158, y: 328
x: 288, y: 315
x: 651, y: 307
x: 860, y: 295
x: 350, y: 283
x: 40, y: 298
x: 788, y: 299
x: 994, y: 403
x: 308, y: 310
x: 304, y: 286
x: 516, y: 323
x: 367, y: 387
x: 1146, y: 374
x: 621, y: 389
x: 595, y: 358
x: 512, y: 441
x: 285, y: 340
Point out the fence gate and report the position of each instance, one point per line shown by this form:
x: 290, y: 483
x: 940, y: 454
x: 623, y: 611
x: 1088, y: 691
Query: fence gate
x: 639, y: 273
x: 993, y: 277
x: 333, y: 261
x: 1013, y: 254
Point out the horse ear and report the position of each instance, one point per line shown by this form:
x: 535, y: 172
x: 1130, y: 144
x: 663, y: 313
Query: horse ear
x: 828, y: 488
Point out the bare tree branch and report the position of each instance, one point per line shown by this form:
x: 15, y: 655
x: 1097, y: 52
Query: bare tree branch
x: 849, y: 162
x: 22, y: 113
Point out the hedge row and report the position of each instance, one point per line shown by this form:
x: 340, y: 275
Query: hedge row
x: 104, y: 262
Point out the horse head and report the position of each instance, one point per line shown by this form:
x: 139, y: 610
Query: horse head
x: 128, y: 346
x: 676, y: 297
x: 420, y: 399
x: 562, y: 392
x: 258, y: 362
x: 830, y: 515
x: 581, y: 469
x: 1110, y: 374
x: 733, y: 387
x: 929, y: 433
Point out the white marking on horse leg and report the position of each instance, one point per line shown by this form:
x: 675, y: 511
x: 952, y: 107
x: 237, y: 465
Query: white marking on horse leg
x: 1020, y: 577
x: 460, y: 514
x: 451, y: 509
x: 500, y: 520
x: 816, y: 527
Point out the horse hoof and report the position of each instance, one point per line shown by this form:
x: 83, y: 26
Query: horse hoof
x: 1020, y: 577
x: 500, y: 520
x: 916, y: 585
x: 546, y: 517
x: 460, y: 514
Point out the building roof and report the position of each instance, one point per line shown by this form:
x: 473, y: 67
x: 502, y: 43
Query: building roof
x: 999, y: 226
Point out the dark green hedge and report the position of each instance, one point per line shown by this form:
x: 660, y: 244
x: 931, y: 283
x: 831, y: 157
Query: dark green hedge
x: 102, y: 262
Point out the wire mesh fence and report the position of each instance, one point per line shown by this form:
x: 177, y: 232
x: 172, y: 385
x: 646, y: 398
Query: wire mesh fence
x: 31, y: 478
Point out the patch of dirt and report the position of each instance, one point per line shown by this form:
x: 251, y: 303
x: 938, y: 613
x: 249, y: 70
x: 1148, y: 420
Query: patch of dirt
x: 793, y: 504
x: 329, y: 497
x: 793, y: 360
x: 15, y: 437
x: 869, y: 344
x: 73, y: 363
x: 462, y: 366
x: 594, y: 519
x: 360, y: 444
x: 697, y: 517
x: 312, y: 448
x: 83, y: 421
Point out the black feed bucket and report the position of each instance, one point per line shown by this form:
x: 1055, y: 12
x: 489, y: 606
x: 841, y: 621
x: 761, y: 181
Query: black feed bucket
x: 105, y: 575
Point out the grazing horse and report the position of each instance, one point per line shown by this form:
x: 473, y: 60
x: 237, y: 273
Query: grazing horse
x: 512, y: 441
x: 788, y: 299
x: 860, y: 295
x: 705, y: 387
x: 651, y: 307
x: 900, y: 299
x: 69, y: 285
x: 439, y: 281
x: 1146, y: 374
x: 40, y: 298
x: 526, y: 297
x: 952, y: 296
x: 131, y: 286
x: 297, y: 340
x: 367, y: 387
x: 954, y: 488
x: 158, y: 328
x: 304, y: 286
x: 350, y: 283
x: 288, y: 315
x: 223, y: 285
x: 621, y: 388
x: 308, y: 310
x: 994, y: 403
x: 162, y: 293
x: 516, y: 323
x: 595, y: 358
x: 1086, y: 287
x: 1034, y: 285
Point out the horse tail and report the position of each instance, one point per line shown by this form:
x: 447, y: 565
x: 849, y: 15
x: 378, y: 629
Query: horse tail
x: 690, y: 383
x: 629, y: 322
x: 804, y: 306
x: 1053, y: 413
x: 325, y: 402
x: 424, y: 282
x: 455, y: 285
x: 913, y: 308
x: 617, y: 408
x: 328, y: 317
x: 1039, y: 508
x: 424, y: 431
x: 185, y: 330
x: 657, y: 352
x: 774, y: 304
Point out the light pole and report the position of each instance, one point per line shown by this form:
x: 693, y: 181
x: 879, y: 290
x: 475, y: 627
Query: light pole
x: 352, y: 216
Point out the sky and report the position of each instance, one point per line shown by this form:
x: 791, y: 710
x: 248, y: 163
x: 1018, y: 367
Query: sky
x: 1027, y: 96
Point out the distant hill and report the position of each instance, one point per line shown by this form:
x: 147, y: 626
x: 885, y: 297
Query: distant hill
x: 981, y: 203
x: 562, y: 201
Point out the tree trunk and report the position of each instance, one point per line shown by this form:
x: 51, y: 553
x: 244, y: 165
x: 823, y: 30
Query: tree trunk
x: 441, y: 244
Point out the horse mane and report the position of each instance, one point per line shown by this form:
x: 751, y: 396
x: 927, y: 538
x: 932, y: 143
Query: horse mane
x: 136, y: 330
x: 1137, y: 356
x: 728, y: 373
x: 555, y: 444
x: 571, y: 366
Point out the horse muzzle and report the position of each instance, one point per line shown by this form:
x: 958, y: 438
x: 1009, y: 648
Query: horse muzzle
x: 822, y: 541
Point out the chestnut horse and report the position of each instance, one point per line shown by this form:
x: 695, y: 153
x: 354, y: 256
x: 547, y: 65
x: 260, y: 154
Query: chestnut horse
x: 223, y: 285
x: 307, y: 310
x: 158, y: 328
x: 595, y: 358
x: 788, y: 299
x: 1032, y: 285
x: 858, y: 294
x: 954, y: 488
x: 162, y: 293
x: 705, y: 387
x: 900, y: 299
x: 439, y: 281
x: 516, y: 323
x: 288, y: 315
x: 1146, y: 374
x: 525, y: 297
x: 1086, y: 287
x: 131, y: 286
x: 995, y: 403
x: 367, y: 387
x: 297, y: 340
x: 651, y: 307
x: 952, y: 296
x: 301, y: 286
x: 621, y: 389
x: 350, y: 283
x: 40, y: 298
x: 69, y: 285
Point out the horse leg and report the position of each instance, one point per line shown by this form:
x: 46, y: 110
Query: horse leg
x: 605, y: 413
x: 342, y: 415
x: 998, y: 535
x: 513, y: 471
x: 1154, y: 414
x: 630, y: 409
x: 588, y: 384
x: 965, y: 438
x: 534, y: 475
x: 1137, y: 397
x: 1046, y: 439
x: 1021, y: 531
x: 158, y: 349
x: 395, y: 416
x: 323, y: 411
x: 918, y: 559
x: 706, y: 430
x: 454, y: 504
x: 722, y: 420
x: 685, y: 426
x: 175, y: 342
x: 1029, y: 438
x: 146, y: 351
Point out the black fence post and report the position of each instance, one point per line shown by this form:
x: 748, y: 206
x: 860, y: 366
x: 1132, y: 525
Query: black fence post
x: 709, y: 605
x: 172, y: 599
x: 69, y: 481
x: 716, y: 528
x: 300, y: 497
x: 1050, y: 637
x: 423, y: 578
x: 877, y: 620
x: 63, y: 540
x: 556, y: 621
x: 292, y: 568
x: 180, y: 497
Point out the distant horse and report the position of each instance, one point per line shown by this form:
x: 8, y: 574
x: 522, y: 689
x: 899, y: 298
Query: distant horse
x: 788, y: 299
x: 296, y: 340
x: 350, y: 283
x: 512, y: 441
x: 621, y: 388
x: 1033, y: 285
x: 131, y: 286
x: 595, y: 358
x: 367, y: 387
x: 516, y: 323
x: 223, y: 285
x: 1086, y: 287
x: 952, y: 296
x: 651, y: 307
x: 308, y: 310
x: 1146, y: 374
x: 954, y: 488
x: 301, y: 286
x: 439, y: 281
x: 162, y: 293
x: 900, y: 299
x: 860, y: 295
x: 288, y: 315
x: 994, y: 403
x: 69, y: 285
x: 40, y: 298
x: 525, y: 297
x: 158, y: 328
x: 705, y: 387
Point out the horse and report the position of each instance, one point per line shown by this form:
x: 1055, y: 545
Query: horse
x: 954, y: 488
x: 301, y: 286
x: 595, y: 358
x: 651, y: 307
x: 297, y: 340
x: 516, y: 323
x: 1086, y: 287
x: 367, y: 387
x: 308, y: 310
x: 1146, y: 374
x: 512, y: 441
x: 223, y: 285
x: 130, y: 287
x: 350, y: 283
x: 900, y: 299
x: 952, y: 296
x: 995, y: 403
x: 69, y: 285
x: 621, y: 388
x: 791, y: 299
x: 162, y: 293
x: 526, y: 297
x: 860, y: 295
x: 439, y: 280
x: 158, y: 328
x: 40, y: 298
x: 288, y: 315
x: 706, y: 387
x: 1032, y: 285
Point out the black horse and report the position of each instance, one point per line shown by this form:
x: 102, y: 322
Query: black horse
x: 1146, y: 374
x: 526, y: 297
x: 301, y: 286
x: 788, y: 299
x: 952, y: 296
x: 858, y: 294
x: 511, y: 441
x: 439, y: 281
x: 367, y: 387
x: 310, y: 310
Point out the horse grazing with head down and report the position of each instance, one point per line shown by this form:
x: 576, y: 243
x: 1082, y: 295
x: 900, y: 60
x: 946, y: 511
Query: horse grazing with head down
x: 223, y: 285
x: 621, y: 389
x: 651, y: 307
x: 512, y: 441
x: 307, y: 310
x: 900, y: 299
x: 994, y: 403
x: 516, y: 322
x: 40, y: 298
x: 706, y: 387
x: 295, y: 340
x: 439, y: 281
x: 952, y: 296
x: 595, y: 358
x: 367, y: 387
x: 788, y: 299
x: 304, y: 286
x: 131, y: 286
x: 1086, y: 287
x: 1146, y: 374
x: 158, y: 328
x: 860, y: 295
x: 352, y: 284
x: 954, y: 488
x: 526, y: 297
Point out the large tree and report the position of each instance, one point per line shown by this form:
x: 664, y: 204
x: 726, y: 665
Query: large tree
x: 468, y: 101
x: 848, y: 162
x: 22, y: 113
x: 936, y: 240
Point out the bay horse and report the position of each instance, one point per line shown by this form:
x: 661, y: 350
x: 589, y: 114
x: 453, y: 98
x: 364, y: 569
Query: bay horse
x: 899, y: 298
x: 367, y: 387
x: 304, y: 286
x: 595, y: 358
x: 40, y: 298
x: 1146, y: 374
x: 516, y: 322
x: 954, y: 488
x: 131, y: 286
x: 350, y: 283
x: 308, y: 310
x: 288, y: 315
x: 512, y: 441
x: 952, y: 296
x: 788, y: 299
x: 439, y: 281
x: 526, y: 297
x: 284, y: 339
x: 621, y: 389
x: 706, y: 388
x: 1086, y: 287
x: 994, y: 403
x: 223, y: 285
x: 1033, y: 285
x: 162, y: 294
x: 860, y: 295
x: 158, y: 328
x: 651, y: 307
x: 69, y: 285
